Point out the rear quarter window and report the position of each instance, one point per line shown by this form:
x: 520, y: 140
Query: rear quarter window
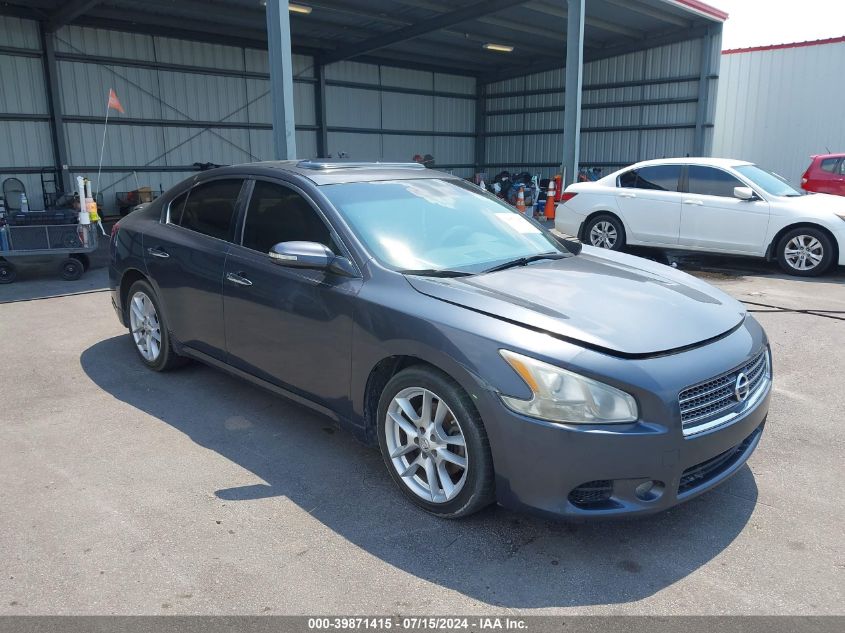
x: 828, y: 164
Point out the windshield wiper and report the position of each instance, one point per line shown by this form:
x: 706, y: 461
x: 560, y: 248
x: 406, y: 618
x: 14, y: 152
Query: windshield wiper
x: 524, y: 261
x: 436, y: 272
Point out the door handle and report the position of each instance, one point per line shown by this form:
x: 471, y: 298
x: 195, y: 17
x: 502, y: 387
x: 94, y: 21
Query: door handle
x: 697, y: 203
x: 627, y: 194
x: 235, y: 278
x: 158, y: 251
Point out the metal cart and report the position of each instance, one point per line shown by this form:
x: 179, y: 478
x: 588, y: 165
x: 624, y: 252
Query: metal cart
x: 42, y: 243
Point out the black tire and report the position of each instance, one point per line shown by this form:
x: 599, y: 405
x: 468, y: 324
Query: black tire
x: 8, y: 273
x: 167, y: 357
x: 478, y: 489
x: 818, y: 244
x: 601, y: 238
x: 71, y: 269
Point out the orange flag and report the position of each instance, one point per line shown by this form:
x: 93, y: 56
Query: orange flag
x: 114, y: 103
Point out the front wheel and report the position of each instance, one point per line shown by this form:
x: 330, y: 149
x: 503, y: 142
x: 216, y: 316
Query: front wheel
x: 805, y: 251
x: 7, y: 272
x: 434, y: 444
x: 605, y: 231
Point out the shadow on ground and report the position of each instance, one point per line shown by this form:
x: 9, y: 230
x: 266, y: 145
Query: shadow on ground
x: 496, y: 557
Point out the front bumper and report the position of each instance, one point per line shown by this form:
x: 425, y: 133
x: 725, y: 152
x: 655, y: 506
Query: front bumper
x: 594, y: 471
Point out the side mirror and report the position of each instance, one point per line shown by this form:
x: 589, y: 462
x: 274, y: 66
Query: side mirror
x: 311, y: 255
x: 744, y: 193
x: 302, y: 255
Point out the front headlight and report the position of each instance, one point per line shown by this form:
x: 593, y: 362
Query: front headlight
x: 564, y: 396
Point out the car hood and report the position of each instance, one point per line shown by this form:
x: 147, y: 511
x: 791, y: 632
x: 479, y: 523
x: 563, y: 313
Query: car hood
x: 616, y: 303
x: 818, y: 202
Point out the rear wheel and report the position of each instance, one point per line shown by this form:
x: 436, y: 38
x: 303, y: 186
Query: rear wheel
x: 148, y: 329
x: 71, y: 269
x: 805, y: 252
x: 605, y: 231
x: 434, y: 443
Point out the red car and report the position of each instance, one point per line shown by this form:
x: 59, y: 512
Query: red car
x: 826, y: 174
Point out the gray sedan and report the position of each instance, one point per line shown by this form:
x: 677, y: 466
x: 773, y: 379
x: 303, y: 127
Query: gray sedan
x: 486, y: 359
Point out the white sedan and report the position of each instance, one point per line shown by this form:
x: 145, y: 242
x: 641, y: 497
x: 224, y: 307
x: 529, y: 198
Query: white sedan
x: 710, y: 205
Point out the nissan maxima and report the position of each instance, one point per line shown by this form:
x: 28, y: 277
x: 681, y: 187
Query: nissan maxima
x: 487, y: 360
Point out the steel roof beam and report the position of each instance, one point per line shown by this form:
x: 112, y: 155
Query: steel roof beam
x: 68, y: 12
x: 604, y: 25
x: 657, y: 14
x: 437, y: 23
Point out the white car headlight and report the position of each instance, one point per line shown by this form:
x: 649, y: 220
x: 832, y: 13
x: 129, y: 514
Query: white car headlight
x: 564, y: 396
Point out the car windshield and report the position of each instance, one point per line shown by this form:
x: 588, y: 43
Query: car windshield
x: 767, y: 181
x: 438, y: 225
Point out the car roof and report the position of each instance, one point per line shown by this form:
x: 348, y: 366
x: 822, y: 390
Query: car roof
x: 694, y: 160
x: 331, y: 172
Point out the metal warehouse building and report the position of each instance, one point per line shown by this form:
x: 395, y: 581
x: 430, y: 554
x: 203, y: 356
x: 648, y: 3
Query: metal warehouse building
x: 366, y: 79
x: 796, y: 115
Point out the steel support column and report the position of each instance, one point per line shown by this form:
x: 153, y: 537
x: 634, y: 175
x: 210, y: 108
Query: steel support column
x: 572, y: 90
x: 320, y: 109
x: 480, y: 125
x: 703, y: 107
x: 57, y: 128
x: 281, y: 79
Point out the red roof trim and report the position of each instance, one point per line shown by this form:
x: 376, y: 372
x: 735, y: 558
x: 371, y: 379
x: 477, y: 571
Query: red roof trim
x: 705, y: 8
x: 774, y: 47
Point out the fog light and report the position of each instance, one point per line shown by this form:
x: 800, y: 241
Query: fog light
x: 649, y: 490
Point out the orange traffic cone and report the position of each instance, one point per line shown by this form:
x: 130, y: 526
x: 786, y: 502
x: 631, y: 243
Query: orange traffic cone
x: 558, y: 187
x: 520, y: 200
x: 550, y: 201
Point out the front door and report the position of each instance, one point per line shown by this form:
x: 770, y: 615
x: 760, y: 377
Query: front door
x: 650, y: 204
x: 289, y: 326
x: 185, y: 255
x: 712, y: 218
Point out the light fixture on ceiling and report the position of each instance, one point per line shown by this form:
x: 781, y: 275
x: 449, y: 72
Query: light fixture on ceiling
x: 295, y: 8
x: 299, y: 8
x: 500, y: 48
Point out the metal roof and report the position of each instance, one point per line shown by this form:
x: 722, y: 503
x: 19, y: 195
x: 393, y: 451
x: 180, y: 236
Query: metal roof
x: 776, y: 47
x: 440, y: 35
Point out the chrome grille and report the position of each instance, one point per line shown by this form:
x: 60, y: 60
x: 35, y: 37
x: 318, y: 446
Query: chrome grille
x: 704, y: 401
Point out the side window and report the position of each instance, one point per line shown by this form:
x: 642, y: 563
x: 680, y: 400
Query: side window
x: 628, y: 180
x: 842, y: 167
x: 706, y: 181
x: 828, y: 164
x: 659, y: 177
x: 279, y: 214
x: 177, y: 205
x: 210, y: 208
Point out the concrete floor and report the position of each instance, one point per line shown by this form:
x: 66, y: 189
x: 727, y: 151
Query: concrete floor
x: 128, y: 492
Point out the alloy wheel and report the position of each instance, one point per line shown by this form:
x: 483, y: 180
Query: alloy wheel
x: 426, y: 444
x: 603, y: 234
x: 803, y: 252
x: 145, y: 326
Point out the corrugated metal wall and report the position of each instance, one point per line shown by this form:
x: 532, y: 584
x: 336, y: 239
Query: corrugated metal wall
x: 635, y: 107
x: 431, y: 113
x: 188, y: 102
x: 25, y: 143
x: 778, y: 107
x: 184, y: 102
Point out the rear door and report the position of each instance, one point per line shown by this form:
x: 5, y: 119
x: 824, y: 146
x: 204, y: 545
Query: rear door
x: 650, y: 204
x: 712, y: 218
x: 826, y: 176
x: 185, y: 255
x: 289, y: 326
